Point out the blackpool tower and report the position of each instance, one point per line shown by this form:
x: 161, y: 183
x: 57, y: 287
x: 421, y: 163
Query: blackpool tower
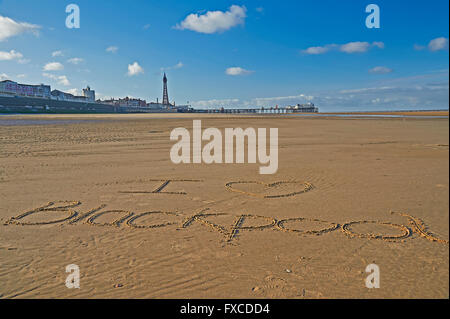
x: 165, y: 100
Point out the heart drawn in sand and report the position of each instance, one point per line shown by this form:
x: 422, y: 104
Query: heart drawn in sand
x: 270, y: 190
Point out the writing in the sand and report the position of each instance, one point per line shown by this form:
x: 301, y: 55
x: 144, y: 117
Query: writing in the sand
x: 208, y: 219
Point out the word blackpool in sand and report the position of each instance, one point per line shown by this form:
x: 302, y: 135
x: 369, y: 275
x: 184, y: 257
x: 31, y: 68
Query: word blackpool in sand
x: 212, y: 152
x: 230, y: 233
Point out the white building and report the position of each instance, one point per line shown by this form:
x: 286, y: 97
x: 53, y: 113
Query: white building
x: 127, y: 102
x: 89, y: 94
x: 304, y: 108
x: 8, y: 87
x: 63, y: 96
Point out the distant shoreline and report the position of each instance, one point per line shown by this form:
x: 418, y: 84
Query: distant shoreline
x: 409, y: 113
x: 399, y: 113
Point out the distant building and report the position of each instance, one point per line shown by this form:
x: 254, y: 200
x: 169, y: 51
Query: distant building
x: 156, y: 106
x: 165, y: 92
x: 63, y: 96
x: 127, y: 102
x: 60, y: 96
x: 89, y: 94
x: 12, y: 88
x: 8, y: 87
x: 304, y: 108
x: 166, y: 105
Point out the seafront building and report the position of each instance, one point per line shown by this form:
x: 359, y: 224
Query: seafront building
x: 17, y: 97
x: 303, y: 108
x: 11, y: 88
x: 63, y: 96
x: 126, y: 102
x: 89, y: 94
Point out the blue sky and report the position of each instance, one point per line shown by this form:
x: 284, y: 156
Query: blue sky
x: 231, y: 53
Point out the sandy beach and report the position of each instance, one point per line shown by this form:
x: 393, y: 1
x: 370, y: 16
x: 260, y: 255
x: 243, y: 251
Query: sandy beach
x: 101, y: 192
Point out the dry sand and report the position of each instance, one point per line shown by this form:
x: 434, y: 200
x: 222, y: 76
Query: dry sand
x: 360, y: 170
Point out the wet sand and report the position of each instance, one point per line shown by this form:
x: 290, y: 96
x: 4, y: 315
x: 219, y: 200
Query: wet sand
x: 349, y: 192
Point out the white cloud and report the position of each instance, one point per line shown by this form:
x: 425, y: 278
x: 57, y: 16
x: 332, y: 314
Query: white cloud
x: 10, y: 28
x: 61, y: 79
x: 75, y: 60
x: 57, y: 53
x: 112, y: 49
x: 380, y: 70
x: 53, y: 66
x: 351, y: 47
x: 179, y: 65
x: 214, y: 21
x: 146, y: 27
x: 367, y: 90
x: 355, y: 47
x: 11, y: 55
x: 216, y: 103
x: 417, y: 96
x: 4, y: 76
x: 380, y: 45
x: 266, y: 101
x: 237, y: 71
x: 134, y: 69
x: 317, y: 50
x: 438, y: 44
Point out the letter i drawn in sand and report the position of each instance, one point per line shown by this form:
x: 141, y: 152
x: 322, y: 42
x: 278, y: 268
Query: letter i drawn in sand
x: 159, y: 189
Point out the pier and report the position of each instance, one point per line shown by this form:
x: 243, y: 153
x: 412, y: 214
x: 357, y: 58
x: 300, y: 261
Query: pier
x: 262, y: 110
